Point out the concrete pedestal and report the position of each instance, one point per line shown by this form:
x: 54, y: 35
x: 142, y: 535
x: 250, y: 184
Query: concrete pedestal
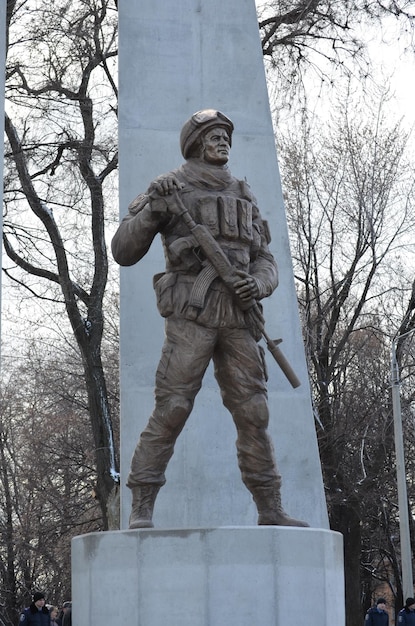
x: 229, y: 576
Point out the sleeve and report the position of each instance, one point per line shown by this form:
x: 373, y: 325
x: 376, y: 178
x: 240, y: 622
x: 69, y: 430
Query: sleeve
x: 136, y: 232
x: 264, y: 268
x: 23, y: 619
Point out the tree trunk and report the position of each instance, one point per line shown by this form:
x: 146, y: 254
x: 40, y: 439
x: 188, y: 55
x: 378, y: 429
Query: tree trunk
x: 106, y: 489
x: 346, y: 519
x: 7, y: 568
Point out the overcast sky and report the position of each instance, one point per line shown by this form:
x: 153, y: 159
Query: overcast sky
x: 393, y: 54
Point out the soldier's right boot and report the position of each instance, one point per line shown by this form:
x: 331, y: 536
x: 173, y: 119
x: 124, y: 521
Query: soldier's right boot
x: 144, y: 497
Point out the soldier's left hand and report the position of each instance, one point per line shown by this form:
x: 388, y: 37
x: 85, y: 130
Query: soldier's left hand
x: 247, y: 287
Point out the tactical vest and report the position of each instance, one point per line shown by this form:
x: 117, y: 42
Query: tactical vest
x: 228, y: 214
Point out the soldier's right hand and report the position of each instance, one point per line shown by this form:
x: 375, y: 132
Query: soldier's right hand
x: 165, y: 185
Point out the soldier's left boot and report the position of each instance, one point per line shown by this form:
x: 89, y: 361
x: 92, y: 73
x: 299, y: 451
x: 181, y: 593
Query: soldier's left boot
x: 270, y: 510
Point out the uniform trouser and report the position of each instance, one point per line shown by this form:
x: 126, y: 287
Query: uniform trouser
x: 239, y: 370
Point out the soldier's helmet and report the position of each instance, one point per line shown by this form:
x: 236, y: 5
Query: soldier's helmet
x: 198, y: 124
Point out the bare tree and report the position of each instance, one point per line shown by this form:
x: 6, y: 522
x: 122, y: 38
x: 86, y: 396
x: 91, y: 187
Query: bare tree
x: 60, y: 97
x: 310, y: 32
x: 47, y: 473
x: 350, y: 203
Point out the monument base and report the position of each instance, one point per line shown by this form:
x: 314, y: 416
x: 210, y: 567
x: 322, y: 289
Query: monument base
x: 238, y: 576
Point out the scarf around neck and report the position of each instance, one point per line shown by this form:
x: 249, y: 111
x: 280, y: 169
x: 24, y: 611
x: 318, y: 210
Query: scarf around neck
x: 206, y: 175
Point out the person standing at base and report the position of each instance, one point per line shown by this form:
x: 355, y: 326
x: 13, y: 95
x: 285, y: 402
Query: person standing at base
x: 67, y: 614
x: 36, y: 614
x: 377, y: 615
x: 406, y: 617
x: 53, y: 612
x: 203, y: 320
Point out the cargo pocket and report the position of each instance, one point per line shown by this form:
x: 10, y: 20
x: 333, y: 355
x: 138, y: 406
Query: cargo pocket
x: 163, y: 286
x: 164, y: 363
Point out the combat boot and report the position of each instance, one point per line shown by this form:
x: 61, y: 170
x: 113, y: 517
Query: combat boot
x: 144, y: 497
x: 270, y: 511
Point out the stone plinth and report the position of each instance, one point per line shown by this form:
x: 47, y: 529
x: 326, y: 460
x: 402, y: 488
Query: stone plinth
x: 228, y: 576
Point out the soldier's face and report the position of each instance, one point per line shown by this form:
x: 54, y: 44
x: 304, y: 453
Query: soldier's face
x: 216, y: 146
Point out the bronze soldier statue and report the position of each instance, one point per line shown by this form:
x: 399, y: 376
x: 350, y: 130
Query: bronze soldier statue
x: 207, y: 220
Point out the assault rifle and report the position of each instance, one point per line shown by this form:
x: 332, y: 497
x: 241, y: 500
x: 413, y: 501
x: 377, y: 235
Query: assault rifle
x: 227, y: 273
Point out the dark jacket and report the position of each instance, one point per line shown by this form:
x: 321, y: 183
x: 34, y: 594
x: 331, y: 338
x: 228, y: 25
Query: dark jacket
x: 376, y: 617
x: 33, y: 617
x: 406, y: 618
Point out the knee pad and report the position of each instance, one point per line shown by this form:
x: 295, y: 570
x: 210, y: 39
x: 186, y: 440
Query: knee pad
x: 253, y: 412
x: 176, y: 410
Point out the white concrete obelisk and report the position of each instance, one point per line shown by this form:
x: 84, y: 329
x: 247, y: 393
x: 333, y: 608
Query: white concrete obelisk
x: 206, y: 563
x: 174, y: 61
